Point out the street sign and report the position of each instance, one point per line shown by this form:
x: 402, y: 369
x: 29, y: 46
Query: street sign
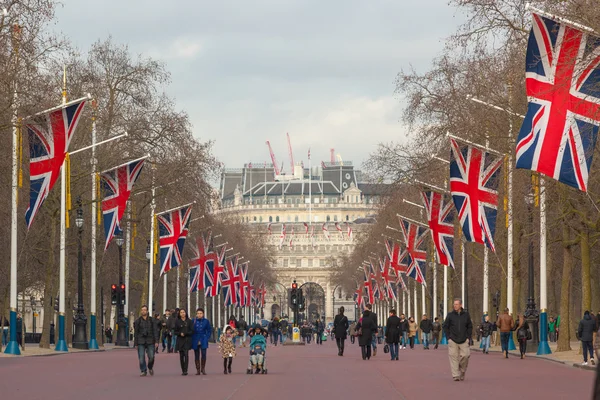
x: 296, y: 334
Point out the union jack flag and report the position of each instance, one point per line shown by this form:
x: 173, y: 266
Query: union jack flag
x: 397, y: 257
x: 172, y: 231
x: 440, y: 215
x: 282, y: 236
x: 368, y: 285
x: 339, y: 229
x: 349, y: 229
x: 379, y: 290
x: 214, y: 271
x: 474, y: 186
x: 306, y: 229
x: 194, y: 279
x: 49, y: 136
x: 117, y: 185
x: 244, y: 284
x: 269, y: 228
x: 230, y: 282
x: 414, y: 236
x: 359, y: 298
x: 204, y: 258
x: 263, y: 295
x: 562, y: 78
x: 325, y: 231
x: 400, y: 281
x: 387, y: 278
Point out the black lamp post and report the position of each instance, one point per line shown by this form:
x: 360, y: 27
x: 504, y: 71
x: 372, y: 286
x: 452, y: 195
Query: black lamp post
x: 531, y: 312
x: 122, y: 332
x: 33, y: 311
x: 80, y: 320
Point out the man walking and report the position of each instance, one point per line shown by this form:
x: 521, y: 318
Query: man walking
x: 505, y: 323
x: 146, y: 337
x: 486, y: 332
x: 426, y: 327
x: 459, y: 329
x: 20, y: 331
x: 403, y: 330
x: 171, y: 318
x: 435, y: 330
x: 242, y: 328
x: 373, y: 337
x: 164, y: 336
x: 585, y: 333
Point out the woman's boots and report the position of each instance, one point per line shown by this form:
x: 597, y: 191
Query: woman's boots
x: 225, y: 366
x: 202, y: 370
x: 229, y: 364
x: 197, y: 367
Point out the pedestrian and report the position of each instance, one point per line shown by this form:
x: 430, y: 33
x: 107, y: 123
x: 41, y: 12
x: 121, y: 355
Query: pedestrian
x: 201, y: 332
x: 340, y: 327
x: 170, y: 330
x: 597, y: 350
x: 486, y: 332
x: 227, y: 347
x: 373, y: 316
x: 270, y: 330
x: 319, y: 328
x: 366, y: 330
x: 392, y: 334
x: 284, y: 325
x: 458, y: 328
x: 108, y: 334
x: 426, y: 327
x: 183, y: 332
x: 404, y: 330
x: 20, y: 331
x: 232, y: 322
x: 242, y: 328
x: 258, y: 348
x: 412, y: 332
x: 523, y: 335
x: 436, y: 328
x: 505, y: 323
x: 352, y: 332
x: 585, y: 333
x: 494, y: 340
x: 552, y: 330
x: 163, y: 330
x: 5, y: 327
x: 146, y: 335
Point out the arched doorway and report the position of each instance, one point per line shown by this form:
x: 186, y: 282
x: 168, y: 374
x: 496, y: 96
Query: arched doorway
x: 275, y: 311
x: 313, y: 306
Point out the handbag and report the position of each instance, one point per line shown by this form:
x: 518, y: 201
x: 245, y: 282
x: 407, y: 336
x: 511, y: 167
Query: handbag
x: 386, y: 348
x: 528, y: 334
x: 358, y: 332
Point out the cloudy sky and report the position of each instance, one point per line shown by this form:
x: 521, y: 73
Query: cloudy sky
x: 250, y: 71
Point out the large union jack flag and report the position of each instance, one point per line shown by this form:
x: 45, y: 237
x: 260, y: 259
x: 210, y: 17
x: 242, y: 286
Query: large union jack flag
x: 368, y: 284
x: 397, y: 257
x: 244, y: 285
x: 440, y: 215
x: 416, y: 259
x: 49, y: 137
x: 562, y: 79
x: 474, y: 185
x: 401, y: 283
x: 194, y: 279
x: 117, y: 185
x: 386, y: 276
x: 172, y: 232
x: 230, y: 282
x: 203, y: 257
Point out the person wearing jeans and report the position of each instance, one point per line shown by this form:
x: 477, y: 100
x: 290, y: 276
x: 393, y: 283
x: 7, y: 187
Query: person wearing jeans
x: 403, y: 330
x: 505, y: 325
x: 201, y: 333
x: 486, y: 334
x: 585, y: 331
x: 145, y: 339
x: 426, y: 326
x: 392, y: 334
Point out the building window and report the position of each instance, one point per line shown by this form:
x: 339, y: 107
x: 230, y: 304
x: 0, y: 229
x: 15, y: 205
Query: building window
x: 326, y: 200
x: 270, y: 219
x: 292, y: 262
x: 310, y: 262
x: 335, y: 218
x: 289, y: 218
x: 328, y: 218
x: 321, y: 262
x: 347, y: 218
x: 277, y: 218
x: 296, y: 218
x: 254, y: 219
x: 285, y: 263
x: 289, y: 201
x: 260, y: 218
x: 316, y: 200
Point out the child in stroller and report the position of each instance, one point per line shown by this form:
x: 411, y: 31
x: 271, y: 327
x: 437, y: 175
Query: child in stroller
x: 258, y: 348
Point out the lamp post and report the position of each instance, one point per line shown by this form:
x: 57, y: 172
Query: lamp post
x: 33, y: 311
x: 80, y: 320
x: 531, y: 312
x: 122, y: 332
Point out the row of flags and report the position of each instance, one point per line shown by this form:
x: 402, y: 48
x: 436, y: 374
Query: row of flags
x: 557, y: 139
x: 309, y: 232
x: 50, y: 134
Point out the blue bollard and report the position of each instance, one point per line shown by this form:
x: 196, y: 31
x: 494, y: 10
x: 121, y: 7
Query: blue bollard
x: 444, y: 338
x: 93, y: 345
x: 13, y: 347
x: 61, y: 344
x: 511, y: 342
x: 544, y: 347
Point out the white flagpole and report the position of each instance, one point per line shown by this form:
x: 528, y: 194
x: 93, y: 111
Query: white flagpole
x: 416, y: 303
x: 408, y: 295
x: 435, y: 307
x: 404, y: 302
x: 462, y: 275
x: 486, y: 278
x: 177, y: 287
x: 188, y: 296
x: 152, y: 239
x: 127, y: 254
x: 93, y: 345
x: 165, y: 291
x: 543, y: 347
x: 424, y: 311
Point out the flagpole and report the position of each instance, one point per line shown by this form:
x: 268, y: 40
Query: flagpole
x: 310, y: 192
x: 463, y: 271
x: 408, y: 295
x: 486, y: 279
x: 423, y: 307
x: 434, y: 305
x: 127, y: 257
x: 93, y: 344
x: 404, y: 302
x: 543, y: 347
x: 445, y: 303
x: 188, y: 295
x: 177, y: 288
x: 13, y: 347
x: 152, y: 240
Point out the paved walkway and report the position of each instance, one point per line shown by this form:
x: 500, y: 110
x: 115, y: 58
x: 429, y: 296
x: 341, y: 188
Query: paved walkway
x: 295, y: 372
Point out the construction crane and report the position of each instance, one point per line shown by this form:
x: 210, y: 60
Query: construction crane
x: 277, y: 171
x: 332, y: 156
x: 290, y: 150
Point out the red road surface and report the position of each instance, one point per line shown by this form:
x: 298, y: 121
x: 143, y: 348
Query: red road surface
x: 295, y: 372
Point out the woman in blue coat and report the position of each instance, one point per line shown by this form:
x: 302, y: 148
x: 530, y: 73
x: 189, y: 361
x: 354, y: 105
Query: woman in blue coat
x: 200, y: 336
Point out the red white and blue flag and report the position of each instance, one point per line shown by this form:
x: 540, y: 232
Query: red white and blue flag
x: 194, y: 279
x: 230, y: 282
x: 401, y: 283
x: 117, y: 184
x: 172, y: 232
x: 359, y: 298
x: 386, y: 276
x: 397, y: 257
x: 474, y: 178
x: 349, y: 230
x: 49, y: 136
x: 562, y: 80
x: 416, y: 259
x: 244, y: 284
x: 204, y: 257
x: 368, y: 284
x: 440, y: 215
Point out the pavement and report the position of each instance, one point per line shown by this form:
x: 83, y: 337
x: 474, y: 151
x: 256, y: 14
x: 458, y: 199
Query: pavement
x: 295, y: 372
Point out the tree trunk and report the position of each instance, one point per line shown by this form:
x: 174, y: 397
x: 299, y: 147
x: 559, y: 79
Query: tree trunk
x: 586, y: 283
x: 564, y: 338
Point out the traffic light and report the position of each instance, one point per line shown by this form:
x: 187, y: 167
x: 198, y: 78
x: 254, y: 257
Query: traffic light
x: 300, y: 300
x: 113, y: 294
x: 494, y: 302
x: 294, y: 296
x: 56, y: 304
x: 442, y: 308
x: 122, y: 293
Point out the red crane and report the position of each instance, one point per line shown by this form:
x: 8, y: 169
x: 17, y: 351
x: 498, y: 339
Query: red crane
x: 332, y: 156
x: 277, y: 172
x: 290, y: 150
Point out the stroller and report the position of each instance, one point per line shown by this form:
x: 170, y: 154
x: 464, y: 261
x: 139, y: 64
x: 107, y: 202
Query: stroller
x: 257, y: 363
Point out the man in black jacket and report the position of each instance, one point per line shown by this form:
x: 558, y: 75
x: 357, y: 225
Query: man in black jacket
x: 375, y: 324
x: 403, y: 330
x: 242, y: 327
x: 585, y: 331
x: 146, y: 337
x: 426, y: 327
x: 458, y: 328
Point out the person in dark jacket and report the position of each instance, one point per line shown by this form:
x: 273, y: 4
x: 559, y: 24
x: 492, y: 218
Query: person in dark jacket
x: 183, y: 331
x: 20, y: 331
x: 146, y: 335
x: 242, y: 328
x: 171, y: 318
x: 585, y: 332
x: 404, y: 330
x: 436, y: 328
x: 392, y: 334
x: 426, y: 327
x: 459, y: 329
x: 319, y: 329
x: 340, y: 329
x: 523, y: 334
x: 486, y: 332
x: 368, y: 329
x: 200, y: 335
x: 374, y: 339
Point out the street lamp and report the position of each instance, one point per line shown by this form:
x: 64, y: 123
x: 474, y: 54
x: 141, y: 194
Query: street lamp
x: 80, y: 320
x: 122, y: 325
x: 531, y: 312
x: 33, y: 310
